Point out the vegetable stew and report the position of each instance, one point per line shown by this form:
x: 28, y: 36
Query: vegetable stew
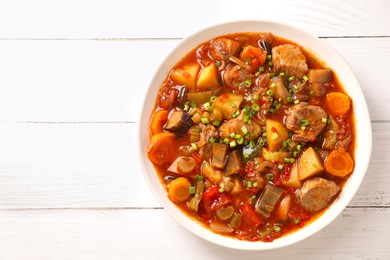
x: 252, y: 135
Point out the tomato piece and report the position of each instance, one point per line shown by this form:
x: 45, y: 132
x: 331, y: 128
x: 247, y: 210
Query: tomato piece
x: 250, y: 216
x: 213, y: 199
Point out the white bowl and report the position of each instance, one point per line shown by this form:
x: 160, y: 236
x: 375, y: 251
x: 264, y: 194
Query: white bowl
x: 346, y: 77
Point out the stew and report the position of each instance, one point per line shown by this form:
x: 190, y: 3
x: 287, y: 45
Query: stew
x: 252, y: 136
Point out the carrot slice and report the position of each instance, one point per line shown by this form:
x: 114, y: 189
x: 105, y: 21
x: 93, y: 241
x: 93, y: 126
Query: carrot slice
x: 338, y: 103
x: 161, y: 150
x: 339, y: 163
x: 158, y: 120
x: 178, y: 190
x: 256, y: 55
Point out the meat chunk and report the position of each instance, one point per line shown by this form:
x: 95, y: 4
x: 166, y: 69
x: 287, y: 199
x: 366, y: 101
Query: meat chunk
x: 306, y: 121
x: 219, y: 155
x: 316, y: 193
x: 235, y: 75
x: 300, y: 90
x: 205, y: 147
x: 223, y: 48
x: 266, y: 203
x: 178, y: 122
x: 289, y: 59
x: 234, y: 164
x: 236, y: 125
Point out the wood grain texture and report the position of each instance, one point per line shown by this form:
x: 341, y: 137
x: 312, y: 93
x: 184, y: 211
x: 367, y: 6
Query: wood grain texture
x: 95, y: 81
x: 153, y: 234
x: 96, y: 165
x: 172, y: 18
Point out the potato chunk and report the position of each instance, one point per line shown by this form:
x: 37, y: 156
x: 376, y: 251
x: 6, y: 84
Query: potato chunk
x: 186, y: 75
x: 293, y: 181
x: 208, y: 78
x: 309, y: 164
x: 276, y: 134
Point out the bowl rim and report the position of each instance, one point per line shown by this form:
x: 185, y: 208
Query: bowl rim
x: 354, y: 90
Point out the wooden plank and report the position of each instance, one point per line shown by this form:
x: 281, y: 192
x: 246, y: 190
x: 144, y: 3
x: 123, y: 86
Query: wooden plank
x: 106, y: 80
x: 96, y: 165
x: 149, y: 234
x: 172, y: 18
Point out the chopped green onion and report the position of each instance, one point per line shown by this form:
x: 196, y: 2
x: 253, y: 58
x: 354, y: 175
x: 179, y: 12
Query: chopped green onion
x: 295, y: 87
x: 261, y: 69
x: 270, y: 177
x: 194, y: 147
x: 274, y: 136
x: 233, y: 144
x: 207, y: 106
x: 296, y: 102
x: 232, y: 135
x: 217, y: 63
x: 216, y: 122
x: 257, y: 74
x: 303, y: 127
x: 213, y: 98
x: 236, y: 114
x: 269, y: 63
x: 286, y: 160
x: 272, y: 74
x: 270, y: 93
x: 186, y: 107
x: 192, y: 190
x: 292, y: 160
x: 248, y: 83
x: 246, y: 155
x: 305, y: 78
x: 277, y: 229
x: 255, y: 107
x: 289, y: 99
x: 200, y: 177
x: 269, y: 57
x: 226, y: 140
x: 252, y: 144
x: 221, y: 190
x: 273, y: 85
x: 240, y: 140
x: 280, y: 166
x: 193, y: 104
x: 255, y: 184
x: 291, y: 78
x: 211, y: 140
x: 244, y: 130
x: 249, y: 184
x: 271, y: 110
x: 281, y: 74
x: 295, y: 153
x: 296, y: 221
x: 262, y: 141
x: 299, y: 147
x: 284, y: 144
x: 204, y: 120
x: 324, y: 120
x: 256, y: 97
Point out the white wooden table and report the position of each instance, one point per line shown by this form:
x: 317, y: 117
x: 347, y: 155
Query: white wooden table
x: 72, y: 77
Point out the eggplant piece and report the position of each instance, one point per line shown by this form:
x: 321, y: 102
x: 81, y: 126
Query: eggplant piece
x: 219, y: 155
x: 265, y: 205
x: 266, y: 46
x: 279, y: 89
x: 234, y: 164
x: 179, y: 122
x: 319, y: 75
